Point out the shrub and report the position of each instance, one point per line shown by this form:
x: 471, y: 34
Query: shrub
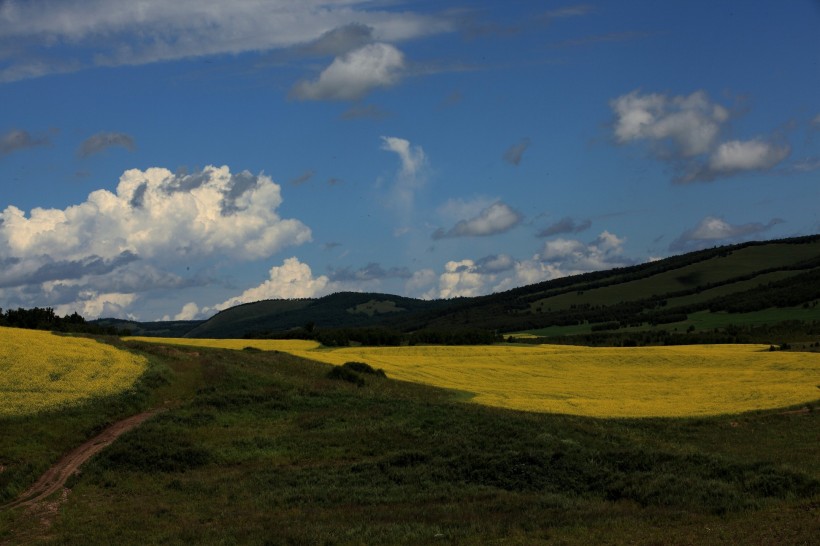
x: 361, y: 367
x: 345, y: 374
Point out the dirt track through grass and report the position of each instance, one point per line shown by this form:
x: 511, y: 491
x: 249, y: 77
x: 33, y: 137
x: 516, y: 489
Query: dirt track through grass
x: 56, y: 476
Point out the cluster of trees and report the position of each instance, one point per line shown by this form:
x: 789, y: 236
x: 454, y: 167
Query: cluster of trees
x: 46, y: 319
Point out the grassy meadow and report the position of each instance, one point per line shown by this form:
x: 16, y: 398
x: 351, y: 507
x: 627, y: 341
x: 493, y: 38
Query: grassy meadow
x: 266, y: 447
x: 679, y: 381
x: 262, y: 447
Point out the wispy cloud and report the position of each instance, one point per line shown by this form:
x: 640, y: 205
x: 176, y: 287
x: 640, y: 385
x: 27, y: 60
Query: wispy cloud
x: 340, y: 40
x: 565, y: 225
x: 51, y: 36
x: 411, y: 176
x: 302, y: 178
x: 610, y: 37
x: 16, y: 140
x: 364, y: 111
x: 101, y: 141
x: 515, y: 153
x: 370, y: 272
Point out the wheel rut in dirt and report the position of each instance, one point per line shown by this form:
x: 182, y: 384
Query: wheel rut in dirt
x: 56, y: 476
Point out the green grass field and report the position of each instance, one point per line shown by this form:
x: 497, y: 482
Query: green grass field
x: 700, y: 320
x: 739, y: 263
x: 264, y: 448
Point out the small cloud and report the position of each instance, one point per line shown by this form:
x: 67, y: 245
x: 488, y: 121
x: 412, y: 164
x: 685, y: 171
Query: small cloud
x: 302, y: 178
x: 461, y: 279
x: 497, y: 218
x: 340, y: 40
x: 676, y: 127
x: 293, y: 279
x: 515, y: 153
x: 565, y: 225
x: 568, y: 11
x: 16, y: 140
x: 815, y: 122
x: 370, y: 272
x: 496, y: 263
x: 411, y: 176
x: 330, y: 246
x: 412, y: 157
x: 189, y: 311
x: 364, y: 111
x: 570, y: 256
x: 712, y: 230
x: 735, y: 156
x: 685, y: 132
x: 807, y: 165
x: 610, y: 37
x: 420, y: 282
x: 452, y: 99
x: 101, y: 141
x: 354, y: 74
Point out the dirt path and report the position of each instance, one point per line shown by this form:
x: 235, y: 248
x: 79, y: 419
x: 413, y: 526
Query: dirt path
x: 56, y: 476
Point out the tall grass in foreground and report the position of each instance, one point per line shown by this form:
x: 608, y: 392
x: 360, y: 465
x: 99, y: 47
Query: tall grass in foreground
x: 679, y: 381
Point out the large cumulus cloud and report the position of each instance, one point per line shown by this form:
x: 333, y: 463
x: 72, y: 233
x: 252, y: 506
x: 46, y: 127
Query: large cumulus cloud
x: 154, y: 221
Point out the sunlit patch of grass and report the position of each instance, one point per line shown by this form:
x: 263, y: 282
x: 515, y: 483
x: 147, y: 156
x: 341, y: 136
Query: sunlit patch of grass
x: 598, y: 382
x: 40, y: 371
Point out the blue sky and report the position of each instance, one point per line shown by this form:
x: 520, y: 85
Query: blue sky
x: 165, y: 160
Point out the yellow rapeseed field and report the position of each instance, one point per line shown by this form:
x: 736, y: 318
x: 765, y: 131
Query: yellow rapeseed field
x: 601, y: 382
x: 42, y: 371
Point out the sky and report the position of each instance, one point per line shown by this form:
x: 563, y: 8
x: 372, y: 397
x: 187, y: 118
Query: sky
x: 167, y: 160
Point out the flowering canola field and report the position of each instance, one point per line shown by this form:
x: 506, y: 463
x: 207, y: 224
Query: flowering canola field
x: 676, y: 381
x: 41, y: 371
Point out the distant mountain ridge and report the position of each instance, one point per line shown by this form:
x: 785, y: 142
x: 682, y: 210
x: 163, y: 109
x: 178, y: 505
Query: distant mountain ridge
x: 734, y: 282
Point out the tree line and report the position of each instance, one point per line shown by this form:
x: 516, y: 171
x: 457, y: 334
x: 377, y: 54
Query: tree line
x: 40, y: 318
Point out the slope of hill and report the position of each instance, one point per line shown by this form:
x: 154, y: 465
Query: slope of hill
x: 751, y: 283
x: 165, y: 328
x: 743, y: 278
x: 340, y: 310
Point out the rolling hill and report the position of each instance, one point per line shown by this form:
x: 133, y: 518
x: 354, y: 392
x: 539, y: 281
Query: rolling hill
x: 743, y: 285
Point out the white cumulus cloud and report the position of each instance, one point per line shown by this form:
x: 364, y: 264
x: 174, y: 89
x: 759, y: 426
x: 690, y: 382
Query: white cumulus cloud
x: 736, y: 155
x: 292, y: 279
x: 355, y: 74
x: 497, y: 218
x: 461, y: 279
x: 127, y: 241
x: 688, y: 125
x: 686, y: 131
